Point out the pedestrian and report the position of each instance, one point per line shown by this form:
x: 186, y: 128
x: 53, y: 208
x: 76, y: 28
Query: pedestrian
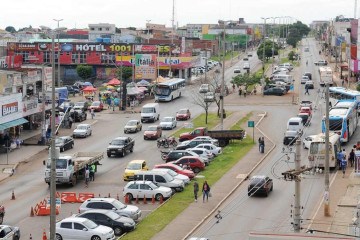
x: 344, y: 153
x: 71, y: 120
x: 92, y: 113
x: 233, y: 87
x: 240, y: 91
x: 205, y: 191
x: 343, y: 166
x: 196, y: 190
x: 339, y: 158
x: 245, y: 93
x: 307, y: 89
x: 352, y: 157
x: 260, y: 144
x: 342, y: 82
x: 87, y: 176
x: 92, y: 172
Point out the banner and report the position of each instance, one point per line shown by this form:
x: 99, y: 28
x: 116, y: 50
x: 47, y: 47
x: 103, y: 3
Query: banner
x: 145, y: 66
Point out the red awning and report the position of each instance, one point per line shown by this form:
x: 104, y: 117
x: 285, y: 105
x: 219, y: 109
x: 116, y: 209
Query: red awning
x: 89, y: 89
x: 114, y: 81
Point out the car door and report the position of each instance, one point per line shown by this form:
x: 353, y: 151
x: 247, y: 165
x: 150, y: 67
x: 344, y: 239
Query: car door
x: 66, y: 230
x: 6, y: 234
x: 145, y: 190
x: 79, y: 232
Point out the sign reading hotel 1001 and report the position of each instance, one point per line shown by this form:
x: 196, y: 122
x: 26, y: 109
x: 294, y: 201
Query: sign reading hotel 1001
x: 89, y: 47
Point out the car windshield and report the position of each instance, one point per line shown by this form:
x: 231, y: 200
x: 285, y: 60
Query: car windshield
x: 152, y: 128
x: 257, y: 181
x: 183, y: 111
x: 147, y: 110
x: 172, y: 173
x: 90, y: 224
x: 167, y: 119
x: 118, y: 205
x: 61, y: 163
x: 153, y: 186
x: 59, y: 140
x: 95, y: 104
x: 131, y: 123
x: 117, y: 142
x: 134, y: 166
x: 81, y: 127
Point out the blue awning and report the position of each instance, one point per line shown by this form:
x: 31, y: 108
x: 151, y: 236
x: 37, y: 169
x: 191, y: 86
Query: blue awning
x: 13, y: 123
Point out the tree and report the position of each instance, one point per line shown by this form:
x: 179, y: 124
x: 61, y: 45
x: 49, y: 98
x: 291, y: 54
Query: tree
x: 268, y: 50
x: 10, y: 29
x: 296, y: 33
x: 246, y: 80
x: 291, y: 56
x: 84, y: 71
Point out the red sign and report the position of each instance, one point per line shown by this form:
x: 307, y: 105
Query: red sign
x: 22, y: 46
x: 145, y: 48
x: 11, y: 61
x: 10, y: 108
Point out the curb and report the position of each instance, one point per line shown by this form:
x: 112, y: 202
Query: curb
x: 236, y: 187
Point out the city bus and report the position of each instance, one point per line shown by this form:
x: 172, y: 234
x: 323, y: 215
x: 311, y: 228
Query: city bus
x: 169, y: 90
x: 343, y: 119
x: 340, y: 93
x: 316, y: 154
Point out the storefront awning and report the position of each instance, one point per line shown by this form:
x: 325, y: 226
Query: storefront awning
x: 13, y: 123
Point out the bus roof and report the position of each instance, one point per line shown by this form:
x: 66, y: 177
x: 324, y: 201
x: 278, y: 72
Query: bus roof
x: 347, y: 103
x: 342, y: 90
x: 333, y: 137
x: 172, y: 82
x: 338, y: 112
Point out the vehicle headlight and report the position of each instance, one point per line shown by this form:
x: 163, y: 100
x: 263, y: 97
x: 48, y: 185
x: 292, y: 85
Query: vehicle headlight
x: 127, y: 224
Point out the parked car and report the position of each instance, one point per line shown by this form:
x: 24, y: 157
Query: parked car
x: 190, y: 144
x: 307, y: 141
x: 83, y: 104
x: 308, y: 74
x: 194, y: 163
x: 9, y: 232
x: 133, y: 126
x: 146, y: 189
x: 321, y: 63
x: 76, y: 88
x: 290, y: 137
x: 306, y: 118
x: 183, y: 114
x: 113, y: 204
x: 152, y: 132
x: 237, y: 70
x: 177, y: 169
x: 304, y: 79
x: 120, y: 146
x: 82, y: 130
x: 78, y: 114
x: 211, y: 147
x: 82, y: 229
x: 175, y: 175
x: 207, y: 139
x: 64, y: 143
x: 177, y: 154
x: 209, y: 97
x: 246, y: 65
x: 204, y: 88
x: 109, y: 218
x: 133, y: 167
x: 260, y: 185
x: 97, y: 106
x: 278, y: 91
x: 168, y: 123
x: 309, y: 84
x: 202, y: 152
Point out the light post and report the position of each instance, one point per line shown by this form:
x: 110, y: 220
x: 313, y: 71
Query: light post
x: 263, y: 62
x: 273, y: 46
x: 148, y: 31
x: 58, y: 53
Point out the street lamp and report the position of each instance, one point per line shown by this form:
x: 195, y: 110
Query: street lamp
x: 263, y: 62
x: 273, y: 46
x: 58, y: 53
x: 148, y: 30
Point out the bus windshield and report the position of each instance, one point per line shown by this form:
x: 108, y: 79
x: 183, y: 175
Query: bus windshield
x: 162, y: 90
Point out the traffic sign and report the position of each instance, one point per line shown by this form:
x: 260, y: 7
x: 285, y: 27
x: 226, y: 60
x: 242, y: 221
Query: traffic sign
x: 251, y: 124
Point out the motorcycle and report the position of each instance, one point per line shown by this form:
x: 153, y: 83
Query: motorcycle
x: 162, y: 143
x: 164, y: 155
x: 172, y: 141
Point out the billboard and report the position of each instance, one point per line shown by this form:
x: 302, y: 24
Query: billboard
x: 145, y: 66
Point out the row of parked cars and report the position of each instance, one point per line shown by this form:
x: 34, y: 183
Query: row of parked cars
x: 280, y: 80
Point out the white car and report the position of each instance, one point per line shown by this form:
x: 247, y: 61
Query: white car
x: 146, y: 189
x: 82, y: 228
x: 304, y: 79
x: 133, y: 126
x: 202, y: 152
x: 209, y: 97
x: 307, y: 141
x: 211, y: 147
x: 237, y: 70
x: 168, y: 123
x: 174, y: 174
x: 204, y: 88
x: 246, y: 65
x: 82, y: 130
x: 207, y: 138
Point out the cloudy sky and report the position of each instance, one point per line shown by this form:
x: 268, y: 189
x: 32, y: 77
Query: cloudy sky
x: 135, y: 13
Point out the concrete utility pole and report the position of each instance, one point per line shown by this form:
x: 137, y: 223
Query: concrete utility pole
x: 43, y: 106
x: 327, y: 170
x: 222, y: 83
x: 58, y: 22
x: 263, y: 61
x: 297, y: 188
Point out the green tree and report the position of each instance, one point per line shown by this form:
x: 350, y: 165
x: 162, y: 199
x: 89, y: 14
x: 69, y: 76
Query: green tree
x: 291, y: 56
x: 10, y: 29
x: 268, y: 50
x: 246, y: 80
x: 85, y: 72
x: 296, y: 33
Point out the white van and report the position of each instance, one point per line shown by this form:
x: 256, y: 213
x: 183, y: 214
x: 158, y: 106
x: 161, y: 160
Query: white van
x: 161, y: 179
x: 287, y: 65
x: 283, y: 77
x: 295, y: 124
x: 150, y: 112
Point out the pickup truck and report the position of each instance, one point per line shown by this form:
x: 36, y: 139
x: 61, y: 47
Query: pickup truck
x: 321, y: 63
x: 2, y: 213
x: 223, y: 136
x: 120, y: 146
x: 70, y: 168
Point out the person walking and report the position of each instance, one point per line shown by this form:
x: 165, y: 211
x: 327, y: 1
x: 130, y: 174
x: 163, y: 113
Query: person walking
x: 343, y: 166
x: 92, y: 113
x: 240, y: 91
x: 87, y: 176
x: 307, y: 89
x: 261, y: 144
x: 339, y: 157
x: 92, y: 172
x: 352, y: 157
x: 205, y: 191
x: 196, y: 189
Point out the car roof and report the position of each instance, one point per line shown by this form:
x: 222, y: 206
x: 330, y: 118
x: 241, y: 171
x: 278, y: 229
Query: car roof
x: 258, y: 177
x: 195, y: 157
x: 103, y: 211
x: 120, y: 138
x: 74, y: 219
x: 206, y: 144
x: 133, y: 120
x: 84, y: 124
x: 139, y: 182
x: 100, y: 199
x: 137, y: 161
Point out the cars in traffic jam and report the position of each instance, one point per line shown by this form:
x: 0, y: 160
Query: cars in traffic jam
x: 133, y: 126
x: 120, y: 146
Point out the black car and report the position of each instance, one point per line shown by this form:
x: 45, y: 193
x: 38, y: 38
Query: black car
x: 110, y: 219
x: 260, y: 185
x: 176, y: 154
x: 308, y: 74
x: 76, y: 89
x: 64, y: 143
x: 9, y: 232
x: 120, y: 146
x: 78, y: 115
x: 278, y: 91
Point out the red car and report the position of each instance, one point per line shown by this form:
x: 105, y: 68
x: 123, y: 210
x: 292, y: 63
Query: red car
x: 97, y: 106
x: 183, y: 114
x: 176, y: 169
x: 195, y: 163
x: 153, y: 132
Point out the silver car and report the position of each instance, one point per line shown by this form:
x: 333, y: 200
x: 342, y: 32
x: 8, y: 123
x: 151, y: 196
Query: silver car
x: 82, y: 130
x: 133, y: 126
x: 168, y: 123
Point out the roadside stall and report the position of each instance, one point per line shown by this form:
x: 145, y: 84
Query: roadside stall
x: 89, y: 92
x: 134, y: 95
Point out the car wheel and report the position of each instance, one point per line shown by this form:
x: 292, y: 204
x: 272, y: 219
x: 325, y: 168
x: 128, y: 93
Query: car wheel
x: 16, y: 238
x: 158, y: 197
x: 58, y: 237
x: 95, y: 237
x: 72, y: 145
x: 90, y: 133
x: 271, y: 189
x: 108, y: 154
x: 125, y: 131
x: 145, y: 138
x: 118, y: 231
x: 132, y: 149
x: 196, y: 170
x: 123, y: 153
x: 130, y: 196
x: 62, y: 149
x: 140, y: 129
x: 266, y: 193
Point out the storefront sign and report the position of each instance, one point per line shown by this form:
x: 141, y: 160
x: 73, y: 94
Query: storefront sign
x: 30, y: 107
x: 90, y: 47
x: 9, y: 62
x: 146, y: 48
x: 22, y: 46
x: 10, y: 107
x: 145, y: 66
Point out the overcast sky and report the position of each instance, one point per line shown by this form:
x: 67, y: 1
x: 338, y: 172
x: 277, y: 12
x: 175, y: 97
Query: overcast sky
x: 135, y: 13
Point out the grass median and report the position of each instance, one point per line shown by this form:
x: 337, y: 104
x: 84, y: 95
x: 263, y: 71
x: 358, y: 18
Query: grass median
x: 232, y: 153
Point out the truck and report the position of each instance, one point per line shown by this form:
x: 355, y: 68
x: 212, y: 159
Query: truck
x: 326, y: 76
x: 223, y: 136
x: 70, y: 168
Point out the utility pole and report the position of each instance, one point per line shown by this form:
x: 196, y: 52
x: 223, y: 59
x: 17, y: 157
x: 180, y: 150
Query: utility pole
x: 43, y: 106
x: 222, y: 83
x: 148, y: 31
x: 58, y: 53
x: 297, y: 188
x: 172, y: 35
x: 327, y: 170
